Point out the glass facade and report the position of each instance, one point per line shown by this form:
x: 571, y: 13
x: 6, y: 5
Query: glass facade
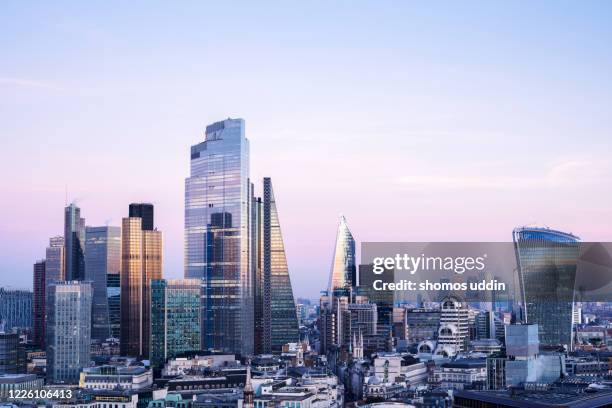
x: 113, y: 296
x: 15, y: 309
x: 74, y: 241
x: 102, y: 258
x: 547, y: 261
x: 343, y: 269
x: 280, y: 324
x: 68, y: 331
x: 55, y: 260
x: 38, y: 303
x: 141, y: 262
x: 217, y: 230
x: 175, y: 318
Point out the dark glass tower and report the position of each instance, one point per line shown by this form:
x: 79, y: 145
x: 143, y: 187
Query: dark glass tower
x: 144, y: 211
x: 38, y: 303
x: 102, y: 259
x: 74, y: 243
x: 280, y: 324
x: 547, y: 261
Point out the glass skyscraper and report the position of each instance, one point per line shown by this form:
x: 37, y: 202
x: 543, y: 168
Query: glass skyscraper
x: 547, y: 261
x: 68, y: 331
x: 74, y: 243
x: 144, y: 211
x: 343, y: 270
x: 141, y: 262
x: 217, y: 231
x: 280, y: 324
x: 15, y: 309
x: 55, y: 260
x: 102, y: 258
x: 113, y: 296
x: 175, y: 318
x: 39, y: 284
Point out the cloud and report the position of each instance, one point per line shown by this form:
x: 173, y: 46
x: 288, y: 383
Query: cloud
x: 29, y: 83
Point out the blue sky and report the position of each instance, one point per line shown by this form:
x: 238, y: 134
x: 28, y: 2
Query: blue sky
x: 453, y: 121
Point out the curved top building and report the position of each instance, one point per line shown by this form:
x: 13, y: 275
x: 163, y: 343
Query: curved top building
x: 343, y: 270
x: 547, y: 261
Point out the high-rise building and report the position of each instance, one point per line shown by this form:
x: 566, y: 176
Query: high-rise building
x: 217, y: 232
x: 102, y: 258
x: 74, y: 243
x: 38, y: 303
x: 141, y: 262
x: 144, y: 211
x: 68, y: 330
x: 453, y: 333
x: 12, y: 354
x: 175, y: 318
x: 547, y: 261
x: 422, y: 324
x: 113, y: 297
x: 15, y: 309
x: 55, y: 267
x: 343, y: 271
x: 280, y: 325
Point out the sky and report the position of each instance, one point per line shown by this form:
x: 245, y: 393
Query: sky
x: 453, y: 121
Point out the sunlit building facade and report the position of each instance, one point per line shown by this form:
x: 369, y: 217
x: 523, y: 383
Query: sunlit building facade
x: 343, y: 270
x: 175, y: 318
x: 68, y: 331
x: 217, y: 231
x: 547, y: 262
x: 102, y: 258
x: 280, y: 324
x: 55, y: 260
x: 74, y: 243
x: 141, y: 262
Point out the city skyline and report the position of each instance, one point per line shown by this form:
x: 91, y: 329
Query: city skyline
x: 327, y: 112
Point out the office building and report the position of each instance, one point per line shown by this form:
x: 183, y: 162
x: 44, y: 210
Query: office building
x: 453, y: 333
x: 141, y: 262
x: 143, y: 211
x: 74, y: 243
x: 102, y: 258
x: 547, y: 261
x: 217, y: 232
x: 15, y: 309
x: 68, y: 330
x: 422, y: 324
x: 112, y: 377
x: 175, y: 318
x: 55, y: 266
x: 10, y: 383
x: 38, y: 303
x: 12, y: 354
x: 343, y: 272
x: 280, y: 325
x: 113, y: 297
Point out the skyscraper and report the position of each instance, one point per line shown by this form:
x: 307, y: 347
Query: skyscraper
x: 68, y: 330
x: 102, y: 258
x: 55, y: 260
x: 175, y: 318
x: 280, y: 324
x: 38, y: 303
x: 547, y: 261
x: 141, y: 262
x: 342, y: 277
x: 217, y: 231
x: 12, y: 354
x: 144, y: 211
x: 15, y: 309
x: 74, y: 243
x: 113, y: 296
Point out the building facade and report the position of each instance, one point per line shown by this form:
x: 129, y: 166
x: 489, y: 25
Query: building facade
x: 38, y: 303
x: 68, y: 330
x: 102, y: 258
x: 12, y: 354
x: 74, y: 243
x: 55, y: 266
x: 141, y: 262
x: 343, y: 271
x: 175, y: 318
x: 547, y: 262
x: 217, y: 232
x: 15, y: 309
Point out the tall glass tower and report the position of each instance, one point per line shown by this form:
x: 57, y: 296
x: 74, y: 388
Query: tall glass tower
x: 343, y: 271
x: 547, y: 261
x: 280, y: 324
x: 68, y: 331
x: 74, y: 241
x: 102, y: 258
x: 55, y: 260
x: 175, y: 318
x: 217, y: 230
